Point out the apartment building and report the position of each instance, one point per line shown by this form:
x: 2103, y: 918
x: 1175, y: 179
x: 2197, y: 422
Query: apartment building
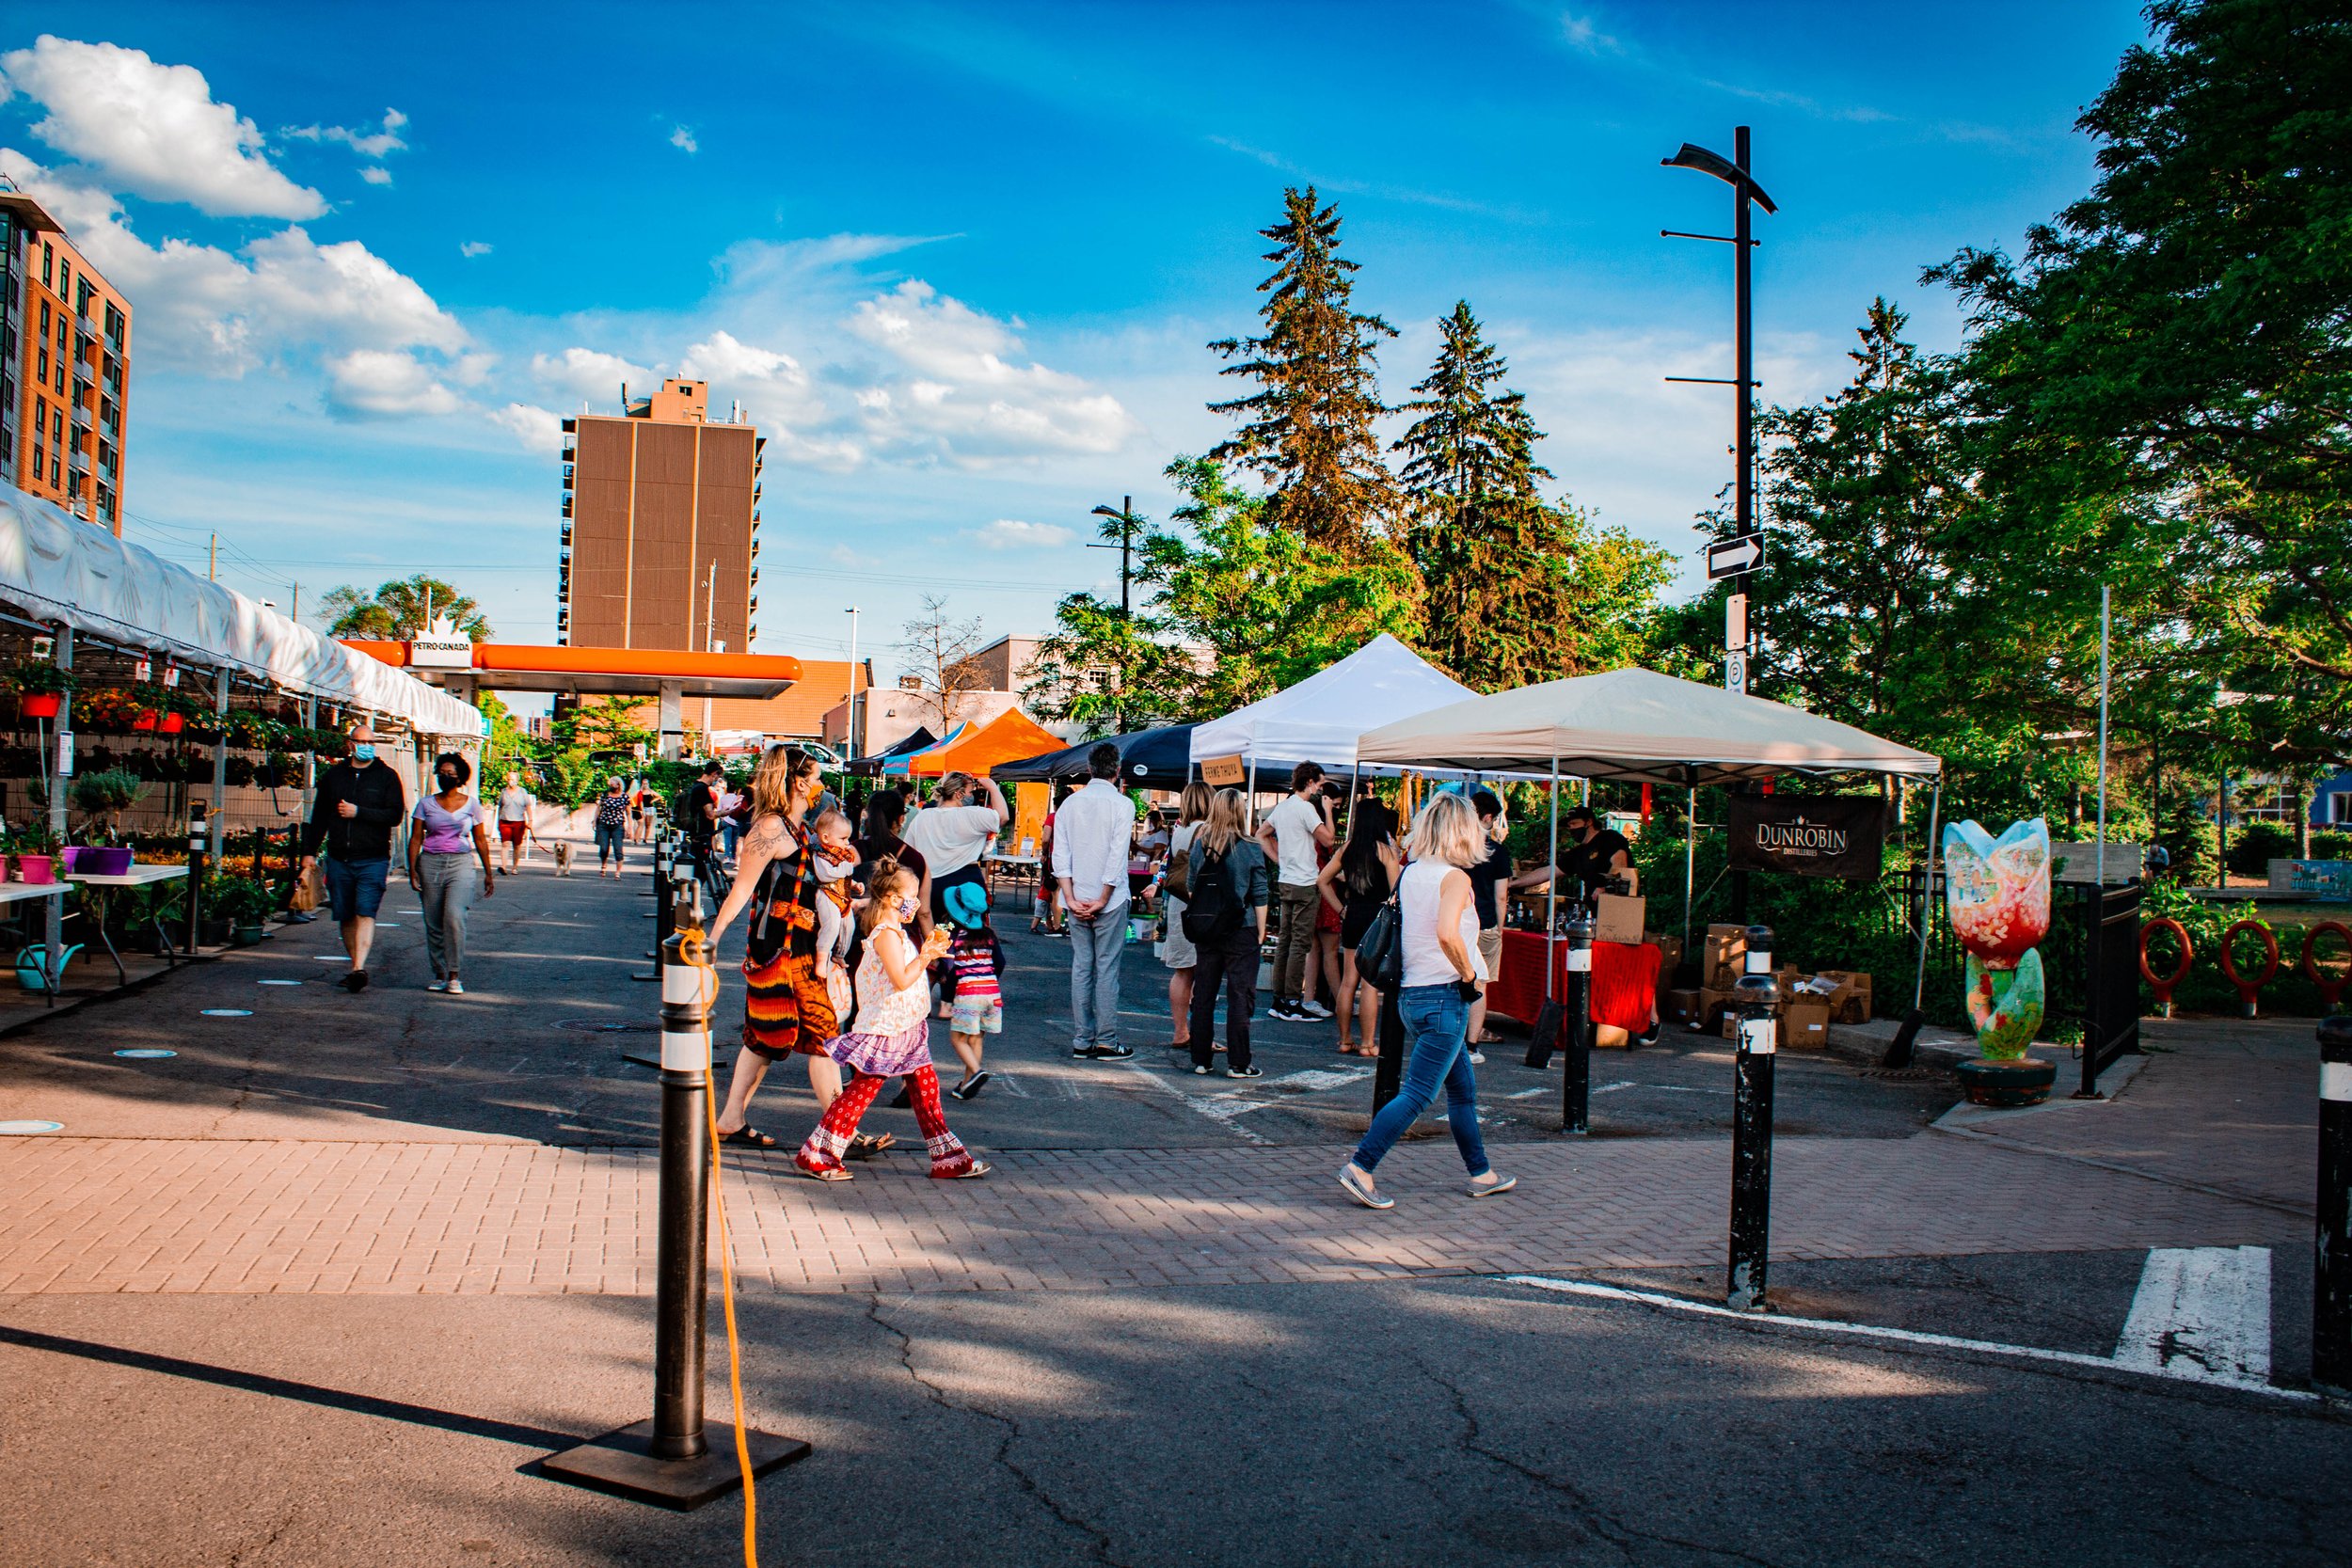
x: 660, y: 543
x: 65, y: 359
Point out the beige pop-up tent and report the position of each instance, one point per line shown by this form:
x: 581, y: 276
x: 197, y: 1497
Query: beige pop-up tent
x: 1638, y: 724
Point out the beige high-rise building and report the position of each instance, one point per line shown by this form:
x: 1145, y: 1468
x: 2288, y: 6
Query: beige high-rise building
x: 64, y: 366
x: 660, y: 526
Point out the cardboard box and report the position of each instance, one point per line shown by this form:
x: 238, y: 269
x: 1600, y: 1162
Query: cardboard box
x: 1681, y: 1006
x: 1619, y: 919
x: 1727, y: 946
x: 1669, y: 958
x: 1805, y: 1026
x: 1731, y: 1026
x: 1712, y: 1004
x: 1851, y: 1002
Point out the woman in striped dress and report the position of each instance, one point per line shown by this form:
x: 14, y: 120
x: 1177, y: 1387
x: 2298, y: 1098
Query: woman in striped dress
x: 785, y: 1010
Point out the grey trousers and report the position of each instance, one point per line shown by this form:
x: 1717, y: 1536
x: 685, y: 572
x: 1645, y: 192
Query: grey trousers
x: 1095, y: 948
x: 448, y: 884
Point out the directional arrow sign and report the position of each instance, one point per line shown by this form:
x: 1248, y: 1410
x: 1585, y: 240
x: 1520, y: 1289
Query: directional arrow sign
x: 1733, y: 556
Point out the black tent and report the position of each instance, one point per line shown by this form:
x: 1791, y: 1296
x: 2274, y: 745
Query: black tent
x: 1148, y: 759
x: 869, y: 767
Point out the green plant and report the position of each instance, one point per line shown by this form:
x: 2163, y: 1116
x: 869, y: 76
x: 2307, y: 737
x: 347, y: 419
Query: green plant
x: 102, y: 794
x: 240, y: 900
x: 2253, y: 846
x: 38, y: 674
x: 34, y: 838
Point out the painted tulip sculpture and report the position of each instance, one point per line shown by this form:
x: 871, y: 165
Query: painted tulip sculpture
x: 1998, y: 893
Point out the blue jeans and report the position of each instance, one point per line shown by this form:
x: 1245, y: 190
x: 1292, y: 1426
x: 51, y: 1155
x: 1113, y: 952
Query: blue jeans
x: 609, y: 843
x: 1436, y: 1019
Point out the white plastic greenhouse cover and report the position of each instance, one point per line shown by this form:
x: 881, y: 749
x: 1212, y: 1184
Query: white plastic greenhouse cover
x: 56, y: 567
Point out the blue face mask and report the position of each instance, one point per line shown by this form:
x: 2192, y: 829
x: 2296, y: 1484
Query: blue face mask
x: 363, y: 754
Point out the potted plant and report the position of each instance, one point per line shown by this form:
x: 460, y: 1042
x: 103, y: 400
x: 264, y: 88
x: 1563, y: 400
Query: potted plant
x: 104, y: 796
x: 34, y: 856
x: 246, y: 905
x: 40, y: 687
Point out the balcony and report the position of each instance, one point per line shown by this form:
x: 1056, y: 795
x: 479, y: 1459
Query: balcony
x: 570, y: 425
x: 568, y: 506
x: 754, y: 577
x: 86, y: 328
x: 81, y: 414
x: 754, y: 603
x: 754, y: 549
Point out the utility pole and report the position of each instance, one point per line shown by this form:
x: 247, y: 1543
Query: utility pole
x: 855, y: 734
x: 1125, y: 517
x: 295, y: 613
x: 710, y: 614
x: 212, y: 561
x: 1745, y: 191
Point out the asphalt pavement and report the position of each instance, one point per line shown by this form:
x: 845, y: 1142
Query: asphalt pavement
x: 1466, y: 1419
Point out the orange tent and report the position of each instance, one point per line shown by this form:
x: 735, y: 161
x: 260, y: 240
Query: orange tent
x: 1009, y: 736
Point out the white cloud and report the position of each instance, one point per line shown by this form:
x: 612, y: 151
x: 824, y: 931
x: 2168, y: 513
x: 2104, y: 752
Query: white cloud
x: 1583, y: 34
x: 381, y: 383
x: 376, y: 175
x: 540, y: 429
x: 967, y: 399
x: 152, y: 130
x: 683, y: 138
x: 472, y: 248
x: 586, y: 373
x: 1011, y: 533
x: 372, y: 145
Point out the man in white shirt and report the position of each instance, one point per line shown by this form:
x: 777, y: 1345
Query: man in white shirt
x: 1091, y: 831
x: 951, y: 834
x: 1290, y: 834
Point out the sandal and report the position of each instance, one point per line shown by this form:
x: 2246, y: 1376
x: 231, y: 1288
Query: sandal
x: 747, y: 1137
x: 866, y: 1145
x: 971, y: 1172
x: 822, y: 1173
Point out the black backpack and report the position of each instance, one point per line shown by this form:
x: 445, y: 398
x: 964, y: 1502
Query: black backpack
x: 1212, y: 911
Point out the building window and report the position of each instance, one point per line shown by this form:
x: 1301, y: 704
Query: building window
x: 47, y: 260
x: 40, y: 365
x: 65, y: 280
x: 45, y: 318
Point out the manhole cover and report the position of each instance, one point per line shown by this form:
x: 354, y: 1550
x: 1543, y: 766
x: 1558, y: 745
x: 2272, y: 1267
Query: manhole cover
x: 597, y: 1027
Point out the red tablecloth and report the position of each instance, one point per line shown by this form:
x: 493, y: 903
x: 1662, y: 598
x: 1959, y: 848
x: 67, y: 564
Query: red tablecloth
x: 1625, y: 980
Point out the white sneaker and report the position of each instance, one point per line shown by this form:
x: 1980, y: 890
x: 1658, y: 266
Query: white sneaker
x: 438, y: 984
x: 1312, y: 1008
x: 455, y: 987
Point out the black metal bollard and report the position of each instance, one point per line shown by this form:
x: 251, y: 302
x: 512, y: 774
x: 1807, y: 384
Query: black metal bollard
x: 200, y: 840
x: 2331, y: 1273
x: 666, y: 895
x: 1752, y: 1126
x: 678, y: 1459
x: 1576, y: 1078
x: 1388, y: 1073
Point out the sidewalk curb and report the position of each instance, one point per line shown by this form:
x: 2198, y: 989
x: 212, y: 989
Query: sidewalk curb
x: 2270, y: 1203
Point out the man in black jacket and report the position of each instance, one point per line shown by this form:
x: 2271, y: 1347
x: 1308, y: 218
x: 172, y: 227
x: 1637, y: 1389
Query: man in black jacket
x: 360, y: 803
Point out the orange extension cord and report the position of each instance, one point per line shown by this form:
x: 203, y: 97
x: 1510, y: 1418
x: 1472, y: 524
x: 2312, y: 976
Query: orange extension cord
x: 727, y: 1270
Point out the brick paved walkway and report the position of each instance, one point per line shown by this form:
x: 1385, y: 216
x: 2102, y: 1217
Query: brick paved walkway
x: 86, y: 1215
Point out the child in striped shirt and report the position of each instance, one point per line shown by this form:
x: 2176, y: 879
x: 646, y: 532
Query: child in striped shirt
x: 975, y: 959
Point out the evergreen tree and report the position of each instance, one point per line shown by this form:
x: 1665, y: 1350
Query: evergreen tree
x: 1307, y: 430
x: 1517, y: 590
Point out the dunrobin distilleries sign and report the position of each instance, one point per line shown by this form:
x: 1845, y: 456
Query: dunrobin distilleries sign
x: 1811, y: 835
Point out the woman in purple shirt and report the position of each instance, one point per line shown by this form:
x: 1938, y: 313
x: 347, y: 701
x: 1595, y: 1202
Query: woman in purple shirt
x: 438, y: 851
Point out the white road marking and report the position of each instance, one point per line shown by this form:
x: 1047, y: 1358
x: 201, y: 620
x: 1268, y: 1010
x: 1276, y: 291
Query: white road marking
x: 1224, y: 1120
x: 2201, y: 1313
x: 1319, y: 1078
x: 1871, y: 1331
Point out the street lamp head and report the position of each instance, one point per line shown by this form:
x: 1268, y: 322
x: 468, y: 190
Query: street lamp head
x: 1108, y: 511
x: 1722, y: 168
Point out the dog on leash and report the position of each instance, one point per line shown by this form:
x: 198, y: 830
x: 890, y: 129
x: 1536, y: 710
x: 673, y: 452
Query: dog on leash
x: 563, y: 857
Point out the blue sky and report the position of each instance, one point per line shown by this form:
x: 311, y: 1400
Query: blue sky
x: 962, y: 262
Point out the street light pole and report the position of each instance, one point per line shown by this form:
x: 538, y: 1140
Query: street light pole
x: 854, y: 680
x: 1125, y: 517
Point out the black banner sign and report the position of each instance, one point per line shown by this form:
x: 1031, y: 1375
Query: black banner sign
x: 1808, y: 836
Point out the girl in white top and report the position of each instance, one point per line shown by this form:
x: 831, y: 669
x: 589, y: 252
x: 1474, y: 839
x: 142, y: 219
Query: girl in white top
x: 1437, y: 931
x: 891, y: 1038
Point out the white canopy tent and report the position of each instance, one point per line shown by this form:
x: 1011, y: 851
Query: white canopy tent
x: 1640, y: 725
x: 57, y: 568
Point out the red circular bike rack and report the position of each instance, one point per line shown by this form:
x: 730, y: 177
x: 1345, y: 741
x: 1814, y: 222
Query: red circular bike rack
x: 2162, y: 985
x: 2247, y: 989
x: 2331, y: 991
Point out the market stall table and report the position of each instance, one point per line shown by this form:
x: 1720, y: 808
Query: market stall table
x: 1018, y: 867
x: 20, y: 893
x: 1624, y: 979
x: 98, y: 890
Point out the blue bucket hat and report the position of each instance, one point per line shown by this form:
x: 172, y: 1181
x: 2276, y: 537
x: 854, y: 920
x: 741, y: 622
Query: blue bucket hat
x: 967, y: 905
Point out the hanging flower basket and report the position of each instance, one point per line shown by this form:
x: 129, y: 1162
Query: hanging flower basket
x: 40, y: 705
x: 172, y: 723
x: 145, y: 720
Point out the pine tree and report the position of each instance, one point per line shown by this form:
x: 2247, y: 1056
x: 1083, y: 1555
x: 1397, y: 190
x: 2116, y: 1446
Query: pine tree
x: 1518, y: 590
x: 1307, y: 432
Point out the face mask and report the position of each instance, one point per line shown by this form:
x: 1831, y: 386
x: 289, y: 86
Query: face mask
x: 363, y: 754
x: 449, y: 780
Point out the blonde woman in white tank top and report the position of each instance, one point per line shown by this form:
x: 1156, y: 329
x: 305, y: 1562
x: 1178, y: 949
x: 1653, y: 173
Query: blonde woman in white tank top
x: 1438, y: 935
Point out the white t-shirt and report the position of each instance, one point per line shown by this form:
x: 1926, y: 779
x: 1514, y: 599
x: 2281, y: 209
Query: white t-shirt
x: 951, y: 837
x: 514, y: 803
x: 1294, y: 822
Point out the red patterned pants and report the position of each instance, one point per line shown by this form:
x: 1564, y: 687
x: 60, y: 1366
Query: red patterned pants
x: 823, y: 1149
